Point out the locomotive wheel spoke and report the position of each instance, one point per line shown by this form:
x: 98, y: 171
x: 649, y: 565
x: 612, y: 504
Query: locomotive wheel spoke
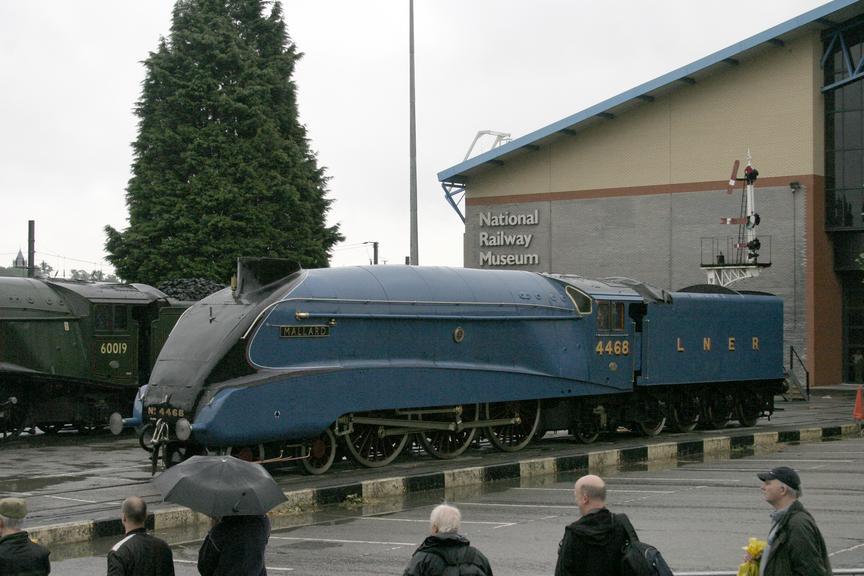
x: 322, y: 453
x: 651, y: 427
x: 12, y: 424
x: 684, y: 414
x: 586, y: 432
x: 717, y: 412
x: 371, y: 450
x: 513, y: 437
x: 651, y: 420
x: 747, y: 409
x: 145, y: 437
x: 445, y: 444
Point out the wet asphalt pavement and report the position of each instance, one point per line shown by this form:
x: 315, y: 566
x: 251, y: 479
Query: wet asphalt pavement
x: 698, y: 514
x: 73, y: 478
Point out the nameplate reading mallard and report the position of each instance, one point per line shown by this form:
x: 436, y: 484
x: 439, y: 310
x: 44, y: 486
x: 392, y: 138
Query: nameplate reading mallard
x: 304, y: 331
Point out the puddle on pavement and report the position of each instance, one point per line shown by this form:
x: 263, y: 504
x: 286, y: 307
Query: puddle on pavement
x: 21, y: 484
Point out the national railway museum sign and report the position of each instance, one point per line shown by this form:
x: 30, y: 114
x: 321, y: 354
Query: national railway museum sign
x: 498, y: 230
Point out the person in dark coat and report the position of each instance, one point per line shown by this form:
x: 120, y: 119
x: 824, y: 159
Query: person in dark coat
x: 445, y: 547
x: 235, y: 547
x: 139, y: 553
x: 795, y: 544
x: 593, y: 543
x: 19, y: 556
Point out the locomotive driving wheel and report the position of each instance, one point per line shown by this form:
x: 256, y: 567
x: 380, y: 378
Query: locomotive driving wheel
x: 586, y: 432
x: 748, y: 408
x: 651, y: 427
x: 446, y: 444
x: 370, y: 446
x: 518, y: 434
x: 12, y: 418
x: 717, y: 411
x: 320, y: 453
x: 145, y: 437
x: 651, y: 420
x: 684, y: 413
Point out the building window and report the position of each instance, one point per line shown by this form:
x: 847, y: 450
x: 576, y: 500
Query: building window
x: 844, y: 132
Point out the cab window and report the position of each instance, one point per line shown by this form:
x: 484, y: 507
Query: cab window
x: 120, y: 321
x: 110, y: 318
x: 103, y: 318
x: 610, y: 316
x: 581, y: 300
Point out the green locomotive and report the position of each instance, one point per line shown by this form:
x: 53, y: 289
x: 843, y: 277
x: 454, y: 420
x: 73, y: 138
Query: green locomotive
x: 74, y: 352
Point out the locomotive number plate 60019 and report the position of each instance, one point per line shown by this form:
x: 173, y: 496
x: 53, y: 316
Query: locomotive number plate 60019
x: 304, y: 331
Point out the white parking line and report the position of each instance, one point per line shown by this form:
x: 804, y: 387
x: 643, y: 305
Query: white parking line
x: 716, y: 480
x: 571, y: 490
x: 846, y: 549
x: 424, y: 520
x: 72, y: 499
x: 274, y: 569
x: 518, y: 505
x: 785, y: 460
x: 337, y: 541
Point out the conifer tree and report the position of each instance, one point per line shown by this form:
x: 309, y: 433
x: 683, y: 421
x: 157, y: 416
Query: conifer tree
x: 222, y: 167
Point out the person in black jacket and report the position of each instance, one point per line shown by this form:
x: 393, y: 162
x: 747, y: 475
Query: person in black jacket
x: 446, y: 548
x: 235, y: 546
x: 593, y: 543
x: 139, y: 553
x: 19, y: 556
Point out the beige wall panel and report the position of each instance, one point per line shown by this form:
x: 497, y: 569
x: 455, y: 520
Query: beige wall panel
x: 770, y: 104
x: 528, y: 173
x: 765, y: 104
x: 631, y: 150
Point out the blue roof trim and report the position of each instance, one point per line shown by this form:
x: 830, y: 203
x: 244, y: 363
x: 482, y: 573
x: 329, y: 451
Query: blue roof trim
x: 675, y: 75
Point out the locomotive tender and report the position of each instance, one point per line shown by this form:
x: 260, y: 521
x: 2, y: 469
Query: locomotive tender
x: 374, y: 356
x: 73, y: 352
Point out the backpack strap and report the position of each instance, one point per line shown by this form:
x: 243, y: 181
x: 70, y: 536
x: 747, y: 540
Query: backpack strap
x: 624, y: 522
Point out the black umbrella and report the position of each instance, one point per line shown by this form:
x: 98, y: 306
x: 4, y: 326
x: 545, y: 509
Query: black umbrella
x: 220, y: 486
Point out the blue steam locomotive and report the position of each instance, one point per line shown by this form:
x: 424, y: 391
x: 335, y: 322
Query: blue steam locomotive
x: 292, y: 363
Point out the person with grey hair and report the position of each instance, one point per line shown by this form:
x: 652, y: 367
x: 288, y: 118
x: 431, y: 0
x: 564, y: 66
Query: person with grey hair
x: 445, y: 551
x: 19, y: 556
x: 795, y: 544
x: 139, y: 553
x: 593, y: 544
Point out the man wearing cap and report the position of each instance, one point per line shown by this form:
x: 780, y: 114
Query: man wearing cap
x: 19, y: 556
x: 795, y: 545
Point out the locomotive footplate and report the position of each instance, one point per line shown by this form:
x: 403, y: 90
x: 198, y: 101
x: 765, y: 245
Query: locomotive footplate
x: 396, y: 426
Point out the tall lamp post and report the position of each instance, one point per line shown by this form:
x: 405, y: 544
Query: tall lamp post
x: 415, y: 257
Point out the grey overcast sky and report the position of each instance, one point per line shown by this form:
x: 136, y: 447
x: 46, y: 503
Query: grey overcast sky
x: 70, y: 73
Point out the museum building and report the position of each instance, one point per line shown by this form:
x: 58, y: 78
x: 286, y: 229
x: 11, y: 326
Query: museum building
x: 638, y: 185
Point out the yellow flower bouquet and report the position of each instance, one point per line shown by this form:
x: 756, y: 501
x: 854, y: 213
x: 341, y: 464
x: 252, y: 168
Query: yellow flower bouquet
x: 754, y: 550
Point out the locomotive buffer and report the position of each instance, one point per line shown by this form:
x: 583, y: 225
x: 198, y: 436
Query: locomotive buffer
x: 741, y: 259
